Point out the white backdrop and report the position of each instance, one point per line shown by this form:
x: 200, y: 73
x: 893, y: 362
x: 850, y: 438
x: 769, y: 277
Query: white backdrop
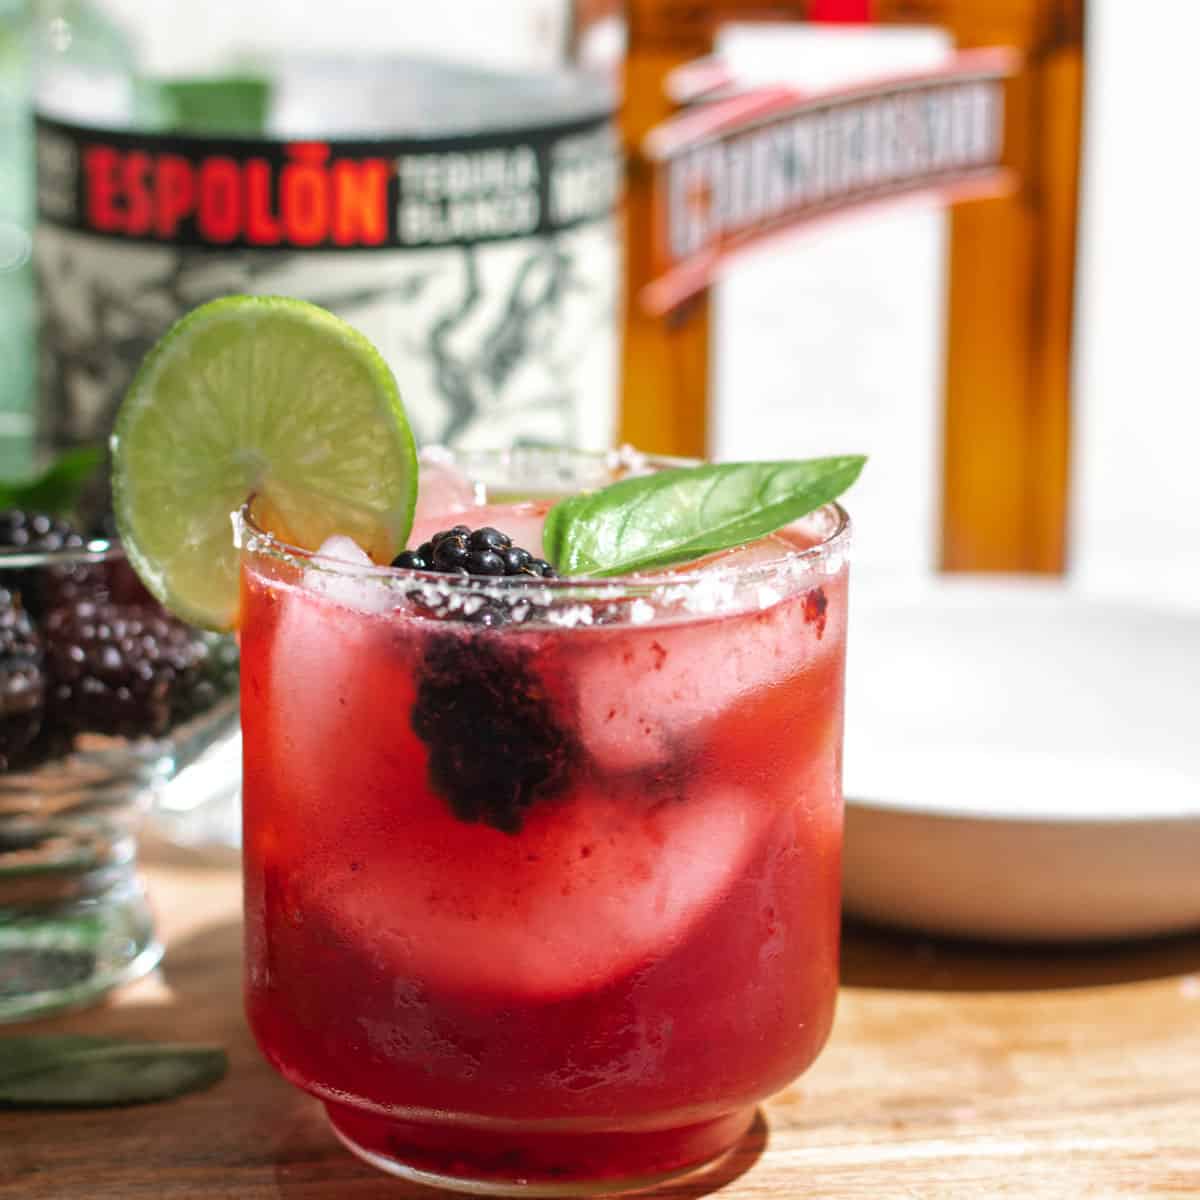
x: 1137, y: 464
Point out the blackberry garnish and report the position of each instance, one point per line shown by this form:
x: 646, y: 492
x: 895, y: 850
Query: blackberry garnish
x: 483, y: 553
x: 22, y: 681
x: 464, y: 551
x: 495, y: 747
x: 117, y: 668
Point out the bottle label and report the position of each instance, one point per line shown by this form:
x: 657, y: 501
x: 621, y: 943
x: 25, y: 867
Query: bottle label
x: 745, y: 165
x: 484, y: 267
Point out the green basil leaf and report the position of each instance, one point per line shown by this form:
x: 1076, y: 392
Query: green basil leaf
x: 688, y: 512
x: 57, y: 488
x: 75, y: 1071
x: 26, y: 1055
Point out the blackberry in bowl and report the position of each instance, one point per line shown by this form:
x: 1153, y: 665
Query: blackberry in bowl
x: 105, y: 698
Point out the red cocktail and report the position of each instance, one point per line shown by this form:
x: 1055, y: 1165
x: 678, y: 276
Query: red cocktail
x: 542, y: 877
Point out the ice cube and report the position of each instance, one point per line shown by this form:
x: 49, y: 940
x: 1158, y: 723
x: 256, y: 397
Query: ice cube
x: 595, y: 887
x: 349, y: 577
x: 317, y: 649
x: 443, y: 489
x: 344, y: 550
x: 642, y: 695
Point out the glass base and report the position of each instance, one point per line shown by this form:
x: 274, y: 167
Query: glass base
x: 491, y: 1163
x: 56, y: 958
x: 201, y: 807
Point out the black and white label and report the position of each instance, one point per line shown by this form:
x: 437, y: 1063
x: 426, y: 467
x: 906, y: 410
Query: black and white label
x: 484, y: 268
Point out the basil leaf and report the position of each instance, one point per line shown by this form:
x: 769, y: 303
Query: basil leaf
x: 57, y: 488
x: 75, y: 1071
x: 25, y: 1055
x: 688, y: 512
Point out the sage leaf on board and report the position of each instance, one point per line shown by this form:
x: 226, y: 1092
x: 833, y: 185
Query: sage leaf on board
x: 684, y: 513
x: 76, y: 1071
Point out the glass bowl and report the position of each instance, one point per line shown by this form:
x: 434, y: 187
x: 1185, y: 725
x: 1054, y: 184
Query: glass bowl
x: 105, y: 699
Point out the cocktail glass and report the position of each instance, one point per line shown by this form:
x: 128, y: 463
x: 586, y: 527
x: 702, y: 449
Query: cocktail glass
x: 542, y: 878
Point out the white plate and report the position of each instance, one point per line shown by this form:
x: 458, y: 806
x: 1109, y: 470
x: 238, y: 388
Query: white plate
x: 1022, y: 763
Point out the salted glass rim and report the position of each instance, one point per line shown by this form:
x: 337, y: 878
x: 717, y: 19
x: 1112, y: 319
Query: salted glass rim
x: 795, y: 565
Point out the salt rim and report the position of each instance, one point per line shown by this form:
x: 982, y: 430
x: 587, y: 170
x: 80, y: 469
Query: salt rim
x: 567, y: 603
x: 578, y: 601
x: 633, y: 599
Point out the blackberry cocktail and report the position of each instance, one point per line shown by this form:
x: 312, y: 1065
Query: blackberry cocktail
x: 542, y: 877
x: 541, y: 784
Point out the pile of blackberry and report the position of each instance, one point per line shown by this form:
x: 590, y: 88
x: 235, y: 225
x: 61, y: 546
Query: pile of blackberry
x: 495, y: 745
x: 115, y: 668
x: 23, y: 530
x: 22, y: 680
x: 84, y: 649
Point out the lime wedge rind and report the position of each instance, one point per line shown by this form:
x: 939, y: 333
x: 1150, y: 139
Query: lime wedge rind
x: 256, y: 395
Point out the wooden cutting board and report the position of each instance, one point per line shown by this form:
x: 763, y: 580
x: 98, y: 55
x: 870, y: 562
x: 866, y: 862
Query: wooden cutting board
x: 953, y: 1071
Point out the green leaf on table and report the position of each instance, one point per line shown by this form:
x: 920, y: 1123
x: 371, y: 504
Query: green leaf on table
x: 24, y: 1055
x: 77, y: 1071
x: 684, y: 513
x: 58, y: 487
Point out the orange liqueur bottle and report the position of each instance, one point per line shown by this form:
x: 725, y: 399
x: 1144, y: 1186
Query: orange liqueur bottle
x: 715, y: 167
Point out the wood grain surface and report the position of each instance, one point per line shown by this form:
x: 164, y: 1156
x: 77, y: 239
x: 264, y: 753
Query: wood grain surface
x: 953, y: 1071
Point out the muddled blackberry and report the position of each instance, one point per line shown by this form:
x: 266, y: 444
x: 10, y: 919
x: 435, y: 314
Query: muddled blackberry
x: 815, y: 604
x: 117, y: 668
x: 22, y: 681
x: 465, y: 551
x: 495, y: 747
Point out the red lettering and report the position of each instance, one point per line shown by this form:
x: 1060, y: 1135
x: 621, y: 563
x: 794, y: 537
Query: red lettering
x: 304, y: 194
x: 360, y: 202
x: 100, y: 172
x: 219, y: 214
x: 174, y: 193
x: 261, y: 227
x: 139, y: 206
x: 229, y: 199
